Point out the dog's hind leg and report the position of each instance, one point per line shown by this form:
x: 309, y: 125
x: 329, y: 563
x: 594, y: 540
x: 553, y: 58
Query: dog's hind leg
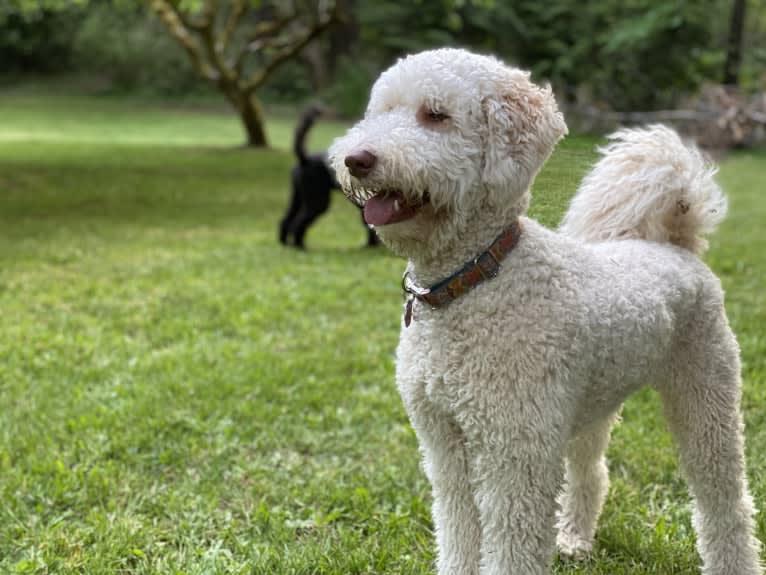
x: 302, y: 222
x: 585, y: 487
x: 315, y: 201
x: 372, y: 236
x: 285, y: 226
x: 702, y: 409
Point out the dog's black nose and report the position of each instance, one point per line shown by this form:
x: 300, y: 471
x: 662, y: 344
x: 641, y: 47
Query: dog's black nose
x: 360, y: 163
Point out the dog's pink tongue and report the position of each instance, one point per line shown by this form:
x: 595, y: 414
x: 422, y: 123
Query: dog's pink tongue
x: 381, y: 210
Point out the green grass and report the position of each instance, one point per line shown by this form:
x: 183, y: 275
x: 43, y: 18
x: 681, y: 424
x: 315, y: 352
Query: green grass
x: 180, y: 394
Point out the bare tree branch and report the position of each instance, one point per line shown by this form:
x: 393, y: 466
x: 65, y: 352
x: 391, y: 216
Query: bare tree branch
x: 209, y: 11
x: 208, y: 32
x: 176, y: 25
x: 232, y: 21
x: 291, y: 48
x: 213, y: 46
x: 263, y: 36
x: 192, y: 22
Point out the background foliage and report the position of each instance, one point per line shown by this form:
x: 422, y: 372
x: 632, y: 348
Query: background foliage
x: 627, y: 55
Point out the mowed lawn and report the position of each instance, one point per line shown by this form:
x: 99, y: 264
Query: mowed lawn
x: 180, y: 394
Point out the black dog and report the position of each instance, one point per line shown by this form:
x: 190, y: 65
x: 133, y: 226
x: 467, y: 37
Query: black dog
x: 312, y: 182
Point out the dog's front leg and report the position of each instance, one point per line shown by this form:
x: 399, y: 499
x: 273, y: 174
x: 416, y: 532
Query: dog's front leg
x: 516, y: 465
x: 455, y: 516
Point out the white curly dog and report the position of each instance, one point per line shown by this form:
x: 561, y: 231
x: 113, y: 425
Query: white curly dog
x: 519, y: 344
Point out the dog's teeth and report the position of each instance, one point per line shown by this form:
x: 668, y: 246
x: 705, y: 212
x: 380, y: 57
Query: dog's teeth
x: 396, y: 205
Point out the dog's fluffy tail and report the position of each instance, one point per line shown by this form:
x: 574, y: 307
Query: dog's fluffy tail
x: 648, y: 184
x: 308, y: 118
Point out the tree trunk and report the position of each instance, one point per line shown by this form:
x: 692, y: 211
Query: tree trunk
x: 252, y: 117
x: 734, y: 44
x: 205, y: 39
x: 250, y: 113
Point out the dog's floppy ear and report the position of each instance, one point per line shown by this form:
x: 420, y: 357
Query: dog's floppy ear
x: 523, y: 126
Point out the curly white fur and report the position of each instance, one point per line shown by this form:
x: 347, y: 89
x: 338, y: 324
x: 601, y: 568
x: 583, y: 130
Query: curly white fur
x: 512, y: 388
x: 648, y: 185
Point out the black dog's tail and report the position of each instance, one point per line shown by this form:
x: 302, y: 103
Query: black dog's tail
x: 299, y: 142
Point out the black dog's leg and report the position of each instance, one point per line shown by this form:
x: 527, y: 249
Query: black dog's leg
x: 372, y: 237
x: 286, y: 225
x: 302, y: 222
x: 315, y: 199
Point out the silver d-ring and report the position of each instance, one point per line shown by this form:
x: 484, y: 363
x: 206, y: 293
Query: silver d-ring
x: 409, y: 286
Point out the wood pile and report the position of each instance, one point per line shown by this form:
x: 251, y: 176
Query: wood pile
x: 719, y: 117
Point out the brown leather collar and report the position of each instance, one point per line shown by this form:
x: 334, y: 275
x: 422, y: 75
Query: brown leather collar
x: 483, y: 267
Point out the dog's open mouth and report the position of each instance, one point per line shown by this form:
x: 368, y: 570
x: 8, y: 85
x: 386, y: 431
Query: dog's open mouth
x: 390, y: 207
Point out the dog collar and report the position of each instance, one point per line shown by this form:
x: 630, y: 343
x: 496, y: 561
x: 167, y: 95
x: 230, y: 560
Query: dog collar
x: 483, y: 267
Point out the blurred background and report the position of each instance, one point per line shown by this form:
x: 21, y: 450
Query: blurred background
x: 706, y: 58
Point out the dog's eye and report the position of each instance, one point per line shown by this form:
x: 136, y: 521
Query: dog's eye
x: 431, y: 118
x: 434, y: 116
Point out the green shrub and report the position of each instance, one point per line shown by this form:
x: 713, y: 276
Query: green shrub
x: 289, y: 84
x: 349, y: 93
x: 36, y: 41
x: 131, y: 49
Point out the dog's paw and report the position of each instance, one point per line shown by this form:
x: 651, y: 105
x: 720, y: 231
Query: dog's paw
x: 573, y: 547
